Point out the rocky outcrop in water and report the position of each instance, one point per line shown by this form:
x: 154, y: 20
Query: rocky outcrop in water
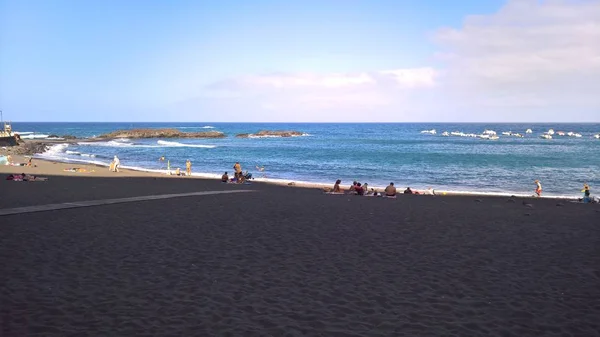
x: 25, y: 149
x: 161, y: 133
x: 268, y: 133
x: 67, y: 137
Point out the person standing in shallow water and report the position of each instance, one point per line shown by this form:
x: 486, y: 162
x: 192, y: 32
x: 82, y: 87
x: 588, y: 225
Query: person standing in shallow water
x: 188, y: 168
x: 538, y: 188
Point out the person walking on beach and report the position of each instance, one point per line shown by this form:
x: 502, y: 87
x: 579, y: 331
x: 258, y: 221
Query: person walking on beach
x: 188, y: 168
x: 538, y: 188
x: 390, y: 190
x: 117, y: 163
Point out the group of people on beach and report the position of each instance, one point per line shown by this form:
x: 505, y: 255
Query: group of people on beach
x: 188, y: 167
x: 587, y: 197
x: 358, y: 188
x: 7, y: 160
x: 25, y: 177
x: 239, y: 176
x: 116, y: 163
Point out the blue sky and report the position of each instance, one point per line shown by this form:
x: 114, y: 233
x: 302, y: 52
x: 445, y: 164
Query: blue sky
x: 292, y: 61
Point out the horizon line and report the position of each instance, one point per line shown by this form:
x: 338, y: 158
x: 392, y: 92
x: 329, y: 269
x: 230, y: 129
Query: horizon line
x: 200, y: 122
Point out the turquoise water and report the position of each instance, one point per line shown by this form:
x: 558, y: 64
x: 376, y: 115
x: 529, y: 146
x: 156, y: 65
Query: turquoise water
x: 372, y: 153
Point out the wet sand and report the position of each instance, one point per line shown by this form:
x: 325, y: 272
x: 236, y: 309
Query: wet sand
x: 292, y: 262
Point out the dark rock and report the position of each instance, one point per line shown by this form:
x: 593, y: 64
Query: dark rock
x: 161, y: 133
x: 26, y: 149
x: 269, y: 133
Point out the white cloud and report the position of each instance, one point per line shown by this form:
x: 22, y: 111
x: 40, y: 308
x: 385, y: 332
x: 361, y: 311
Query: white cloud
x: 530, y: 53
x: 530, y: 61
x: 403, y: 78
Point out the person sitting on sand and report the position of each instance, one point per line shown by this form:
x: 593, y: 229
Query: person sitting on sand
x: 336, y: 187
x: 29, y: 162
x: 390, y: 190
x: 586, y: 193
x: 241, y: 178
x: 352, y: 187
x: 538, y: 188
x: 359, y: 189
x: 408, y: 191
x: 225, y: 178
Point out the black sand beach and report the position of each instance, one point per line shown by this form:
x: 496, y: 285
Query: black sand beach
x: 293, y: 262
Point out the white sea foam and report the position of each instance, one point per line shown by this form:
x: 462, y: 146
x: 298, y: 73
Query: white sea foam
x: 277, y: 136
x: 75, y: 153
x: 115, y: 143
x: 56, y: 149
x: 177, y: 144
x: 24, y: 133
x: 34, y: 136
x: 159, y: 144
x: 195, y: 127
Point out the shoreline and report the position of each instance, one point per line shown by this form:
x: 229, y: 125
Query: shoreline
x: 132, y: 171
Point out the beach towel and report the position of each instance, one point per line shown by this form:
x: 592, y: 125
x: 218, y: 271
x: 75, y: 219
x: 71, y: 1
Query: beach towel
x: 76, y: 169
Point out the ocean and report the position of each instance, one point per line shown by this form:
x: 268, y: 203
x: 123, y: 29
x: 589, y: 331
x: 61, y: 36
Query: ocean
x: 370, y: 153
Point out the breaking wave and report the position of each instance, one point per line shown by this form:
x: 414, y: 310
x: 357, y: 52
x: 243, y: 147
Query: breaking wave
x: 177, y: 144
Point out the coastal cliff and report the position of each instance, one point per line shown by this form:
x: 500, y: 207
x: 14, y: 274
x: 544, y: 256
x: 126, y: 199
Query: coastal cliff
x: 160, y: 133
x: 267, y: 133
